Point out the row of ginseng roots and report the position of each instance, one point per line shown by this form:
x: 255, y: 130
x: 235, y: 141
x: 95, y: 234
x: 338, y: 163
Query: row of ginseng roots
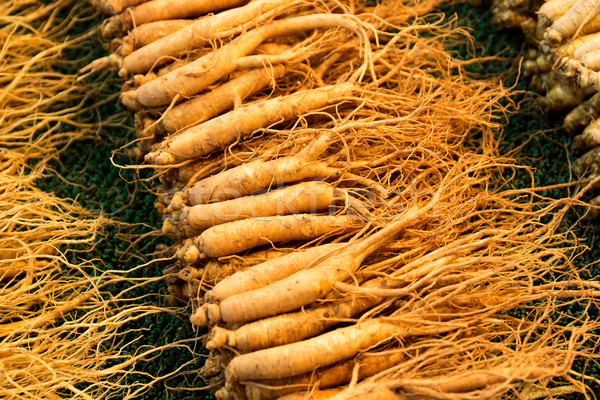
x: 330, y: 174
x: 564, y: 65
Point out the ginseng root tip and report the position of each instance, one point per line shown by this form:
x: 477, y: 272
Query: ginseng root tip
x: 199, y: 317
x: 218, y: 338
x: 159, y: 157
x: 192, y: 254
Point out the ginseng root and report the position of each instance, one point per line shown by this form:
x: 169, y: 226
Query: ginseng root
x: 145, y: 34
x: 588, y: 164
x: 155, y: 10
x: 570, y: 21
x: 292, y: 327
x: 305, y: 197
x: 213, y: 271
x: 255, y: 175
x: 325, y: 377
x: 302, y: 357
x: 196, y: 76
x: 583, y: 114
x: 44, y: 318
x: 228, y: 95
x: 221, y: 131
x: 590, y: 136
x: 198, y: 34
x: 263, y: 274
x: 306, y: 286
x: 551, y: 10
x: 235, y: 237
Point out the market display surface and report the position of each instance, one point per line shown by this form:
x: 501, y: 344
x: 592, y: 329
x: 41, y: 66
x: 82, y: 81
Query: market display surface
x: 316, y: 202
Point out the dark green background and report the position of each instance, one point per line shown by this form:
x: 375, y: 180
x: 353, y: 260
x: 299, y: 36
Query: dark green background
x: 113, y: 191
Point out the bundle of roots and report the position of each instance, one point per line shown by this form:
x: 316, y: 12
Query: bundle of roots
x: 62, y: 331
x: 331, y: 178
x: 564, y: 65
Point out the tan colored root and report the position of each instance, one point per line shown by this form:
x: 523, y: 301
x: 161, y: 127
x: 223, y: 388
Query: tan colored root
x: 238, y: 124
x: 551, y: 10
x: 583, y: 114
x: 45, y: 318
x: 191, y: 283
x: 590, y: 60
x: 263, y: 274
x: 566, y: 25
x: 145, y: 34
x: 253, y: 176
x: 214, y: 271
x: 254, y: 232
x: 588, y: 164
x: 591, y: 43
x: 209, y: 105
x: 590, y: 136
x: 303, y: 357
x: 216, y: 362
x: 243, y: 152
x: 375, y: 393
x: 308, y: 285
x: 198, y: 75
x: 562, y: 96
x: 155, y: 10
x: 331, y: 376
x: 306, y: 197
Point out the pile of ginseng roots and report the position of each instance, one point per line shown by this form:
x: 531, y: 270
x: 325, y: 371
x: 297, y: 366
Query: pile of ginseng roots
x: 564, y: 64
x: 62, y: 331
x: 331, y: 179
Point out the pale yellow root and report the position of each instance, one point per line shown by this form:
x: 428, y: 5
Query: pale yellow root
x: 192, y: 283
x: 569, y: 48
x: 325, y: 377
x: 591, y: 26
x: 591, y: 60
x: 306, y: 286
x: 156, y: 10
x: 210, y: 104
x: 372, y: 393
x: 563, y: 95
x: 235, y: 237
x: 199, y: 74
x: 145, y: 34
x: 295, y: 326
x: 305, y: 197
x: 268, y: 272
x: 566, y: 25
x: 256, y: 175
x: 302, y: 357
x: 551, y: 10
x: 584, y: 44
x: 228, y: 95
x: 583, y: 114
x: 590, y: 136
x: 238, y: 124
x: 459, y: 383
x: 198, y: 34
x: 44, y: 318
